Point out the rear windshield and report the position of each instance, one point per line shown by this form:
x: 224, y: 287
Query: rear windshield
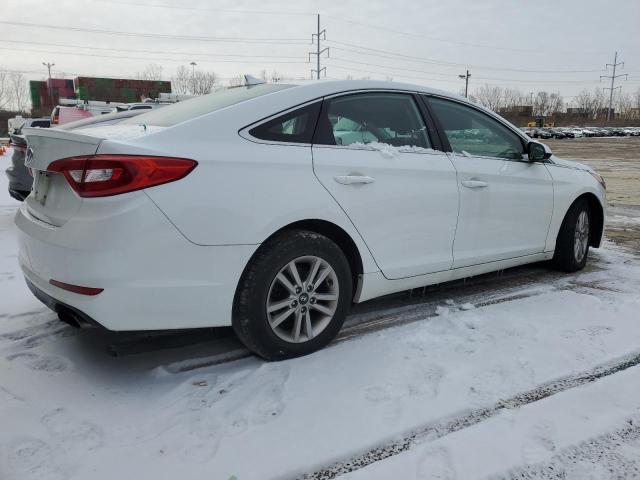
x: 194, y: 107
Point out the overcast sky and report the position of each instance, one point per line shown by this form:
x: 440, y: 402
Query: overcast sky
x: 558, y: 46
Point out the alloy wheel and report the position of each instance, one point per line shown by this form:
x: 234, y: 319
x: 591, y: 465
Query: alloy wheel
x: 302, y: 299
x: 581, y: 236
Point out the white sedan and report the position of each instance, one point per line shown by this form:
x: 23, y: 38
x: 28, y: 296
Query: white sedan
x: 272, y: 207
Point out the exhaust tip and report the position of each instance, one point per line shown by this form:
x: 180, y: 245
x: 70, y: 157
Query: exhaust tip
x: 71, y: 318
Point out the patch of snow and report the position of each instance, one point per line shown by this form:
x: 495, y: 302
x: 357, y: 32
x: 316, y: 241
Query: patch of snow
x: 586, y: 432
x: 119, y: 131
x: 390, y: 151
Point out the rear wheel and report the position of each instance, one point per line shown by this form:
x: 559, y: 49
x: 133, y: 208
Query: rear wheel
x: 293, y: 297
x: 572, y: 245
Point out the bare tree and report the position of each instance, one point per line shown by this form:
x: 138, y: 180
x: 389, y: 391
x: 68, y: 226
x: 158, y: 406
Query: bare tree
x: 17, y: 92
x: 584, y: 101
x: 185, y: 81
x: 236, y: 81
x: 597, y: 103
x: 276, y: 77
x: 152, y: 71
x: 203, y: 83
x: 4, y: 90
x: 547, y: 104
x: 556, y: 104
x: 541, y: 103
x: 490, y: 96
x: 512, y: 97
x: 180, y: 81
x: 624, y: 104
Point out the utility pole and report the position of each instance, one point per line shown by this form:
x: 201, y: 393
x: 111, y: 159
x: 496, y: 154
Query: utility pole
x: 193, y: 77
x: 613, y: 77
x: 316, y: 37
x: 466, y: 83
x: 49, y: 65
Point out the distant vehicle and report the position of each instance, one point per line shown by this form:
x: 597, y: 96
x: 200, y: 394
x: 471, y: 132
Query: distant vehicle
x: 576, y: 133
x: 542, y: 133
x: 71, y: 110
x: 19, y: 178
x: 557, y: 133
x: 16, y: 124
x: 139, y: 106
x: 272, y: 208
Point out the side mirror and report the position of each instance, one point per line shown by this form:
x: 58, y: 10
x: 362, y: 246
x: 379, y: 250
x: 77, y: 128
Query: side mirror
x: 538, y: 152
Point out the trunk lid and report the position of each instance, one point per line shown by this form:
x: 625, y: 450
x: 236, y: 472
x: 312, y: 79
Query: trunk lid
x: 52, y: 200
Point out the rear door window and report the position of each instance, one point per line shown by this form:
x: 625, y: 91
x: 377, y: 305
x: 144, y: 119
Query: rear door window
x: 391, y: 118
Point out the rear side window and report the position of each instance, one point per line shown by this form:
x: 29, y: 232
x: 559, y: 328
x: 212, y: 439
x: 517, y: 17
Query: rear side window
x: 391, y: 118
x: 292, y: 127
x: 195, y: 107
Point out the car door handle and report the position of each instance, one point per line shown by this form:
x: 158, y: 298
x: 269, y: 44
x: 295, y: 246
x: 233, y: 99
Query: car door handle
x: 353, y: 179
x: 474, y: 184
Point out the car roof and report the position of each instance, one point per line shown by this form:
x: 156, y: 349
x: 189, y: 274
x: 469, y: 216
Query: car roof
x: 338, y: 86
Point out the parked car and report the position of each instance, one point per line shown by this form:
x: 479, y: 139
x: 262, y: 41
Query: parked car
x: 557, y: 133
x: 140, y: 106
x: 20, y: 179
x: 15, y: 124
x: 18, y: 175
x: 541, y: 133
x: 271, y: 208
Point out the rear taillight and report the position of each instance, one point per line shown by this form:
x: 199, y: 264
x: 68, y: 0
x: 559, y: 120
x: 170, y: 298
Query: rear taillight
x: 105, y: 175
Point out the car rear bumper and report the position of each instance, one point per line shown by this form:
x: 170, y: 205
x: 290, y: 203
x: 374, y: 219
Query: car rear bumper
x: 153, y: 278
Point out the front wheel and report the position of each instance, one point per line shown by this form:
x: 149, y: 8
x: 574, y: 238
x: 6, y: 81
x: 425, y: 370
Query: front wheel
x: 293, y: 297
x: 572, y: 245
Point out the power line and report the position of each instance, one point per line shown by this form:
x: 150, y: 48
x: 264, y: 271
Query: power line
x: 177, y: 60
x: 207, y: 9
x: 445, y: 40
x: 189, y: 54
x: 82, y: 74
x: 452, y: 75
x: 254, y: 40
x: 411, y: 58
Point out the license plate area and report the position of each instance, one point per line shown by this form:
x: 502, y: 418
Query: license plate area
x: 40, y: 189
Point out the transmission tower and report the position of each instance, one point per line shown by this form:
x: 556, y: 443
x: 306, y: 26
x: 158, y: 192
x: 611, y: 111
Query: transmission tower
x: 613, y: 77
x: 315, y: 38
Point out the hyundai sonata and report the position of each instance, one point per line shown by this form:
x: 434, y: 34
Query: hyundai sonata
x: 272, y: 207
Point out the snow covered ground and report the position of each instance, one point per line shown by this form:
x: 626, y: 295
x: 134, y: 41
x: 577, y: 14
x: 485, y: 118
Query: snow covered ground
x: 529, y: 374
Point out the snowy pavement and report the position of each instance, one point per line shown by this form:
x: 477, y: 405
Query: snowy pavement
x: 528, y: 374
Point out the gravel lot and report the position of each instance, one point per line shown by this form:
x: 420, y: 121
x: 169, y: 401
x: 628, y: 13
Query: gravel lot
x: 617, y: 159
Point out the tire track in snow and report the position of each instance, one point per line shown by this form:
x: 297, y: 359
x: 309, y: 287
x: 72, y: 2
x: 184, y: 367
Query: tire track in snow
x: 604, y: 456
x: 448, y: 425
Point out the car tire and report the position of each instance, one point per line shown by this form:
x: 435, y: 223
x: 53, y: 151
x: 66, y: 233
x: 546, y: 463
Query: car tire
x: 317, y: 301
x: 572, y: 244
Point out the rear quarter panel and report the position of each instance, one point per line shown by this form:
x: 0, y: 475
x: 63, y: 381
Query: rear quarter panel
x: 242, y: 191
